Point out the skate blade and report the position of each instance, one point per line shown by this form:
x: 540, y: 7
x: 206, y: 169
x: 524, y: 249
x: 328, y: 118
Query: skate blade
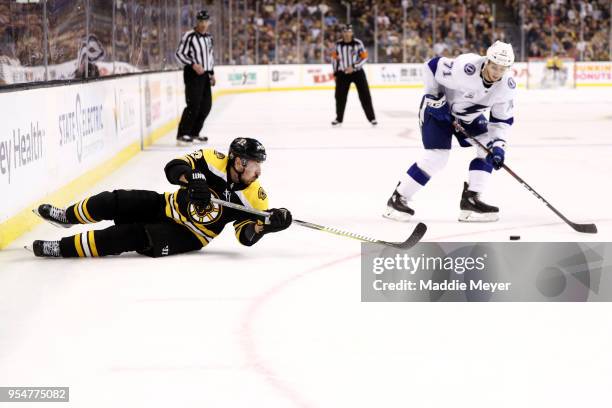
x: 183, y: 144
x: 395, y: 215
x: 471, y: 216
x: 57, y: 224
x: 200, y: 141
x: 28, y: 248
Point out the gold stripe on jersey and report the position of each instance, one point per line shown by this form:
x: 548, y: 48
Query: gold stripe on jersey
x: 179, y: 219
x: 205, y: 230
x: 173, y: 212
x: 184, y: 220
x: 168, y: 211
x: 177, y: 213
x: 189, y: 160
x: 77, y: 245
x: 217, y: 162
x: 92, y: 243
x: 201, y: 236
x: 240, y: 226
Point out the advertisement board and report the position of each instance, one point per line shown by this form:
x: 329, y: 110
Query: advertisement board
x: 51, y: 136
x: 593, y: 73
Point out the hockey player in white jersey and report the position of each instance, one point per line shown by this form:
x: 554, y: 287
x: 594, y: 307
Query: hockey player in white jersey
x: 462, y: 90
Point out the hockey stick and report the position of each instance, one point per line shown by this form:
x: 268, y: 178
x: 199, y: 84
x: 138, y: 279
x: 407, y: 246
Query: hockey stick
x: 585, y: 228
x: 415, y: 237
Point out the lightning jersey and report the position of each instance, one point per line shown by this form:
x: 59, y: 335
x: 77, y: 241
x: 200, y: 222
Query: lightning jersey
x: 460, y: 80
x: 212, y: 219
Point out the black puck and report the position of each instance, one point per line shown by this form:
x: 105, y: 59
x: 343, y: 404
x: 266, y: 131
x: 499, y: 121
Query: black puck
x: 515, y: 237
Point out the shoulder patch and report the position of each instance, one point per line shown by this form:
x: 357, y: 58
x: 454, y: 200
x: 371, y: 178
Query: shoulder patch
x: 261, y: 194
x: 469, y: 69
x: 216, y: 162
x: 256, y: 196
x: 511, y: 83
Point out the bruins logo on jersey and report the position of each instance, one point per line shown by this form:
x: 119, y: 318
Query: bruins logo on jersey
x: 205, y: 215
x: 261, y: 194
x: 219, y: 155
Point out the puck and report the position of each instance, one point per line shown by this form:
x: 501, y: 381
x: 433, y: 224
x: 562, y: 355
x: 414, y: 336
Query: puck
x: 515, y: 237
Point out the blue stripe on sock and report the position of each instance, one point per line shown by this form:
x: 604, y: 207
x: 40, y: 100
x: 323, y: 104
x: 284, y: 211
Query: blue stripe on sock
x: 480, y: 164
x: 509, y: 121
x: 418, y: 175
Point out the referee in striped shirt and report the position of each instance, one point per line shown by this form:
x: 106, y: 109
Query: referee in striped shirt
x: 348, y: 59
x: 196, y: 52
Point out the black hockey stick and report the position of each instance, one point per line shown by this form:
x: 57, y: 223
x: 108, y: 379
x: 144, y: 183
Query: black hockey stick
x: 415, y: 237
x: 585, y: 228
x: 412, y: 240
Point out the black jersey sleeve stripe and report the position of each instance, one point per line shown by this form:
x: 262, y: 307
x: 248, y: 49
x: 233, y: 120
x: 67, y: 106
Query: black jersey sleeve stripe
x: 183, y: 48
x: 212, y: 56
x: 199, y: 51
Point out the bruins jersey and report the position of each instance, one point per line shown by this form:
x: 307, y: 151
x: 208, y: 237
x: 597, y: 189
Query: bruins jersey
x: 207, y: 223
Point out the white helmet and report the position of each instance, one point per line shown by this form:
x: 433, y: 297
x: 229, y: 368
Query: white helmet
x: 501, y: 53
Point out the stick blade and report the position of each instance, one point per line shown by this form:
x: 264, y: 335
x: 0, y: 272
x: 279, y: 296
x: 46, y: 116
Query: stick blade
x: 414, y: 238
x: 585, y: 228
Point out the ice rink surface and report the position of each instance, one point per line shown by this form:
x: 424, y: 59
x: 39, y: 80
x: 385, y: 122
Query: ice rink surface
x: 281, y: 324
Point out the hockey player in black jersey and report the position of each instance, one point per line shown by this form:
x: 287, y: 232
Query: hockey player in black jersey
x: 155, y: 224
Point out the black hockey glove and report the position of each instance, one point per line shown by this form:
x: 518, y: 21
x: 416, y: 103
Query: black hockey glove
x: 280, y: 219
x: 197, y: 189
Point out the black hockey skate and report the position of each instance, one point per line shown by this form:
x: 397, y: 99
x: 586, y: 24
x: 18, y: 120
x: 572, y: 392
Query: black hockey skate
x: 397, y: 208
x: 47, y: 249
x: 336, y: 123
x: 184, y: 140
x: 200, y: 139
x: 54, y: 215
x: 474, y: 210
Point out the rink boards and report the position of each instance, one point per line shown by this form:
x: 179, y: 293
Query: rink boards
x: 56, y: 141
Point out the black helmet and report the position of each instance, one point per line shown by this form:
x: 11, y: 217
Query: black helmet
x: 203, y: 15
x: 247, y: 148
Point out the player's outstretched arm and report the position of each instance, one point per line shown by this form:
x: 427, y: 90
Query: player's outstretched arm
x: 249, y: 232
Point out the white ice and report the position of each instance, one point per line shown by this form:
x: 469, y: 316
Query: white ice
x: 281, y: 324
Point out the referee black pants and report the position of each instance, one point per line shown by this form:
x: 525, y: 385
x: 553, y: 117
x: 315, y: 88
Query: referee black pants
x: 343, y: 83
x: 199, y: 101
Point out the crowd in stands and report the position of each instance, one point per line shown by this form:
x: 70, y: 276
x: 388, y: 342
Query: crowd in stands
x: 565, y: 28
x: 303, y: 31
x: 404, y: 32
x: 269, y: 32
